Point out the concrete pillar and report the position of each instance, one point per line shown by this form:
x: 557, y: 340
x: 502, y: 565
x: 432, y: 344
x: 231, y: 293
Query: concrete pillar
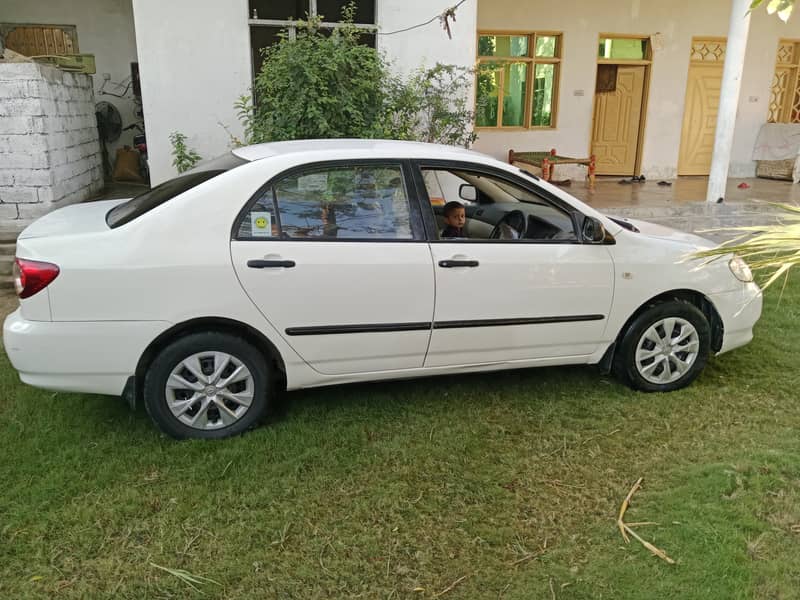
x: 729, y: 98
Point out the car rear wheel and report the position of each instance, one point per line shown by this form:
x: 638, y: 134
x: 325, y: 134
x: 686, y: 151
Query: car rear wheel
x: 665, y: 347
x: 207, y: 385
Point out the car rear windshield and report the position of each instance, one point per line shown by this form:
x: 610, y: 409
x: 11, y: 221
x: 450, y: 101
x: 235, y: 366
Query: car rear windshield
x: 136, y: 207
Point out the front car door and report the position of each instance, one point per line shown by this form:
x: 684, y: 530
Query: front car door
x: 334, y: 256
x: 520, y: 285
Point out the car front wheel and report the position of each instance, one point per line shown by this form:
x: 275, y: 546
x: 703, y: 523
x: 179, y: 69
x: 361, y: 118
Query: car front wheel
x: 207, y: 385
x: 665, y: 347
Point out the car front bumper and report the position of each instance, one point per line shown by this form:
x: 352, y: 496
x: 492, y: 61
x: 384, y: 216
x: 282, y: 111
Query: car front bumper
x: 740, y: 310
x: 94, y: 357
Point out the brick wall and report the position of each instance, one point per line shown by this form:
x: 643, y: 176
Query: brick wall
x: 49, y: 148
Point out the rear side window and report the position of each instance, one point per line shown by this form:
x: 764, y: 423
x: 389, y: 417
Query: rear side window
x: 358, y: 202
x: 136, y: 207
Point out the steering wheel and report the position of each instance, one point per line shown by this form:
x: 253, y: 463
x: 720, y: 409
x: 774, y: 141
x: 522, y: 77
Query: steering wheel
x: 511, y: 227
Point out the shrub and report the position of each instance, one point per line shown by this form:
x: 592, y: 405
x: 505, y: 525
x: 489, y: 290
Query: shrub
x: 332, y: 86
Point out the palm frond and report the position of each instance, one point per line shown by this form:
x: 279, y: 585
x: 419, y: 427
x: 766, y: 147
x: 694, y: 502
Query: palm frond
x: 770, y: 250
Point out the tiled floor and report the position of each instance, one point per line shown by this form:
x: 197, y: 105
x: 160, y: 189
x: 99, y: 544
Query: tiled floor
x: 609, y: 193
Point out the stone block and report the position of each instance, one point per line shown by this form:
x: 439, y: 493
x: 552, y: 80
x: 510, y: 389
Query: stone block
x: 23, y: 124
x: 24, y: 160
x: 13, y: 90
x: 17, y: 71
x: 18, y: 195
x: 45, y: 194
x: 7, y: 176
x: 21, y: 107
x: 34, y: 142
x: 33, y: 177
x: 33, y: 211
x: 37, y: 89
x: 88, y: 149
x: 73, y: 154
x: 89, y: 135
x: 9, y: 211
x: 62, y: 172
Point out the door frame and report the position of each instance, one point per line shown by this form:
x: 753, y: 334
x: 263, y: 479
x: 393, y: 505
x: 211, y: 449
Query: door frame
x: 647, y: 64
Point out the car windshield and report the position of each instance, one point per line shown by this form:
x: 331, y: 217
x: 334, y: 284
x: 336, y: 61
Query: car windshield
x: 136, y: 207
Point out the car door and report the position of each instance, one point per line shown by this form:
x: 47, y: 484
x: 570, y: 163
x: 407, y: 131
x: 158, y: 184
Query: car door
x: 543, y: 295
x: 334, y: 256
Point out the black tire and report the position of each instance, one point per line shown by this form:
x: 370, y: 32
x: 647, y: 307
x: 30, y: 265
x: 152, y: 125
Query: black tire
x: 625, y: 367
x: 155, y: 382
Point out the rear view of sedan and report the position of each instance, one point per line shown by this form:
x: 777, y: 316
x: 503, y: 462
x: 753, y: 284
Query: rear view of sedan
x: 300, y: 264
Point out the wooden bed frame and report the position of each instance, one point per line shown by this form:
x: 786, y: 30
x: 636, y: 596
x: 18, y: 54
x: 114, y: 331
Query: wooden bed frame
x: 547, y: 161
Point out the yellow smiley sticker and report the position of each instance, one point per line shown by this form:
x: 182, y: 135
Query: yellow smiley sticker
x: 261, y: 223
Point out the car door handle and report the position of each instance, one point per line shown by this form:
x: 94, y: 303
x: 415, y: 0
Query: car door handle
x: 451, y: 263
x: 270, y: 264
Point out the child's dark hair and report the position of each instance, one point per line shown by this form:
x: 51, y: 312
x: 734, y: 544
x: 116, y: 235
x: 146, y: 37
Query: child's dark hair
x: 450, y: 207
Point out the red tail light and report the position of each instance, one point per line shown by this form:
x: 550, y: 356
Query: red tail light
x: 31, y: 276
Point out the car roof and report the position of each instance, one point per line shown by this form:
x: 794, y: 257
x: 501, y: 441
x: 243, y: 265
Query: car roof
x: 379, y: 148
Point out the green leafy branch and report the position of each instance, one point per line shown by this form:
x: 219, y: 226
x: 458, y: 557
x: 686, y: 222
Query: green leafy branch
x: 184, y: 158
x: 782, y: 7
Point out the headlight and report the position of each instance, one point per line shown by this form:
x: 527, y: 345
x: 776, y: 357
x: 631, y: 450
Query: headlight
x: 740, y: 269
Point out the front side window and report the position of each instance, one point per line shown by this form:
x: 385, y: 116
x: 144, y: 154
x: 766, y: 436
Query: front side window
x: 494, y: 209
x: 333, y: 203
x: 517, y: 82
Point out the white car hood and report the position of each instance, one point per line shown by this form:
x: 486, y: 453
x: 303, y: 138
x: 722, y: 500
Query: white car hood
x: 72, y: 220
x: 659, y: 232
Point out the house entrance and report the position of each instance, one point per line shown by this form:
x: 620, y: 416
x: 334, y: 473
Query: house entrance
x: 701, y: 106
x: 623, y: 69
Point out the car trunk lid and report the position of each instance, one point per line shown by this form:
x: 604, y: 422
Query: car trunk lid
x: 76, y: 219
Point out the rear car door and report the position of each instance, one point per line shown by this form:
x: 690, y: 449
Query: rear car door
x: 334, y: 256
x: 532, y: 292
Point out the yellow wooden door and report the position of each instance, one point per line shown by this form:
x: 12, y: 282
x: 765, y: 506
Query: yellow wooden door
x: 701, y: 107
x: 617, y: 115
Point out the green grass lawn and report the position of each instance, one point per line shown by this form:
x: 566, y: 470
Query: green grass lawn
x: 507, y: 485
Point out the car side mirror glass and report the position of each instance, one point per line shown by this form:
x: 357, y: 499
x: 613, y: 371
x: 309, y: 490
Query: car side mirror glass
x: 592, y: 231
x: 468, y: 192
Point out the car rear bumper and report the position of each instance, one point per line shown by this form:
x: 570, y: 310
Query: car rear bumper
x: 740, y: 310
x: 94, y: 357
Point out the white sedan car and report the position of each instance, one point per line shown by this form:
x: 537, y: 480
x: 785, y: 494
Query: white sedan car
x: 299, y: 264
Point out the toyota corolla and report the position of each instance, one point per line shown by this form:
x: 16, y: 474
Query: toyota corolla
x: 299, y: 264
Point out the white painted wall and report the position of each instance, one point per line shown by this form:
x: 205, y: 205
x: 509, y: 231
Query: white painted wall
x: 194, y: 61
x: 581, y: 22
x: 426, y: 45
x: 105, y: 29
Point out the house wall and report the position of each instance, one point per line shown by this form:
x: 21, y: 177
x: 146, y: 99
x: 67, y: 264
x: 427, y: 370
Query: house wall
x: 49, y: 148
x: 194, y: 62
x: 425, y: 46
x: 105, y: 29
x: 190, y: 86
x: 581, y: 22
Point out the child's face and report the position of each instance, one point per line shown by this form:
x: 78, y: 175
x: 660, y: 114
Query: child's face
x: 456, y: 218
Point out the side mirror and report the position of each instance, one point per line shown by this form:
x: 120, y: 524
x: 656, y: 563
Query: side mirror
x: 468, y: 192
x: 593, y: 232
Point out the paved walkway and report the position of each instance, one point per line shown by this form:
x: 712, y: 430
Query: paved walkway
x: 682, y: 205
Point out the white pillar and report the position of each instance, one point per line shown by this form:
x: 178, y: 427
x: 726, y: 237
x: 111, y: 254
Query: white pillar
x: 729, y: 98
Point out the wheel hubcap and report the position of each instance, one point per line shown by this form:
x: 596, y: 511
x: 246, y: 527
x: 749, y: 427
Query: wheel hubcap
x: 209, y: 390
x: 667, y: 350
